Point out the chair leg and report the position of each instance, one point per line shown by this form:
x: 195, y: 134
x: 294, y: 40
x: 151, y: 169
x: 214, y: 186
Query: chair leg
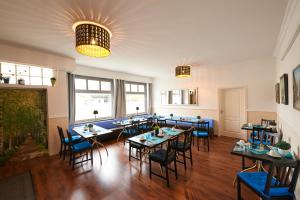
x: 198, y: 143
x: 129, y: 152
x: 60, y: 152
x: 140, y: 158
x: 167, y: 175
x: 239, y: 196
x: 175, y: 168
x: 184, y: 160
x: 73, y: 159
x: 150, y: 172
x: 64, y: 152
x: 191, y: 156
x: 208, y: 144
x: 71, y: 155
x: 92, y: 156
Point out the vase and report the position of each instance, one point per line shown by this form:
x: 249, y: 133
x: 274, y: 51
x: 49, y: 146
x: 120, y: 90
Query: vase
x: 283, y: 152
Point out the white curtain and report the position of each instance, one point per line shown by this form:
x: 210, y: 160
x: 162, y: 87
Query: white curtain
x: 71, y: 97
x: 149, y: 101
x: 120, y: 99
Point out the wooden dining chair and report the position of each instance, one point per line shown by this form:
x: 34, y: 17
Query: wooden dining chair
x: 202, y: 132
x: 278, y: 183
x: 64, y: 142
x: 184, y: 146
x: 82, y: 148
x: 131, y: 130
x: 164, y: 157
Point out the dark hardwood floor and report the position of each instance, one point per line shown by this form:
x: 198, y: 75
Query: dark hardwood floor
x: 210, y: 177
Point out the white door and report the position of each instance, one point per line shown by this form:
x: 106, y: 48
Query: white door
x: 232, y: 112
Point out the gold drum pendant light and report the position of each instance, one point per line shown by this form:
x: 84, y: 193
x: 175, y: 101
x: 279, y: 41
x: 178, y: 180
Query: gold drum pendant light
x: 92, y: 39
x: 183, y: 71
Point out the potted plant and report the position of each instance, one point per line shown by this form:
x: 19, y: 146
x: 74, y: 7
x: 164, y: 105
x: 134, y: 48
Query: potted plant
x: 6, y: 79
x: 1, y: 77
x: 53, y: 81
x: 283, y: 148
x: 171, y: 115
x: 198, y: 117
x: 90, y: 127
x: 156, y: 129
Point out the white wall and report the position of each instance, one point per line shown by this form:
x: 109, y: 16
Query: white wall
x: 257, y: 75
x: 288, y: 57
x: 95, y: 72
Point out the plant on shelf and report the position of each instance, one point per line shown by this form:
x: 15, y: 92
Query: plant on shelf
x: 53, y: 81
x: 283, y: 147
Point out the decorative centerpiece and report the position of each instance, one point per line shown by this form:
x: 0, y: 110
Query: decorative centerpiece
x: 283, y: 148
x: 90, y: 127
x: 21, y: 81
x: 1, y: 77
x: 198, y: 117
x: 154, y: 114
x: 156, y: 129
x: 171, y: 115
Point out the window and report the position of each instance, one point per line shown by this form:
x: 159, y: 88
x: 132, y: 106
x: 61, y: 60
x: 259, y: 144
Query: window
x: 32, y: 75
x: 176, y: 97
x: 135, y: 97
x: 93, y: 94
x: 163, y: 97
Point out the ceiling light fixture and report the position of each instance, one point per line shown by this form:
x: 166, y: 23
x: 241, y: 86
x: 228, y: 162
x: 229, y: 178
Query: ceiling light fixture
x: 183, y: 71
x: 92, y: 39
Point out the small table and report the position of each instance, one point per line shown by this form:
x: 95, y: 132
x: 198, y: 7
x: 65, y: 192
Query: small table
x: 92, y: 135
x: 259, y: 127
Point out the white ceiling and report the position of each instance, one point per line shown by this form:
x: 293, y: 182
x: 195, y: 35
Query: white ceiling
x: 150, y: 37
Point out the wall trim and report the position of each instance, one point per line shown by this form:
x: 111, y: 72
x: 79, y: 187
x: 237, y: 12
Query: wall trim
x: 57, y: 116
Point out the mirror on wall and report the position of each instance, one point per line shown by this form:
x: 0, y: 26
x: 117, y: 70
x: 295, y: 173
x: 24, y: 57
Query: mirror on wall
x: 179, y: 97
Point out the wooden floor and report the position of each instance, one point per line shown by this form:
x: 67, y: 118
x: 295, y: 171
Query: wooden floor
x: 210, y: 177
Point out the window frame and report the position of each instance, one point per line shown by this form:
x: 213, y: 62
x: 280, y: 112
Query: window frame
x: 16, y: 76
x: 112, y: 92
x: 145, y: 94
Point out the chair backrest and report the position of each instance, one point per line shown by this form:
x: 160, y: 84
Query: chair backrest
x: 187, y: 138
x: 70, y: 138
x: 203, y: 126
x: 267, y: 122
x: 61, y: 133
x: 171, y: 151
x: 285, y: 173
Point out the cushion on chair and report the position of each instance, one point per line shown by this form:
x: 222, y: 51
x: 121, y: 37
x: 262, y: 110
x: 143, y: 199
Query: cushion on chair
x: 75, y: 138
x: 135, y: 145
x: 200, y: 133
x: 81, y: 146
x: 159, y: 156
x: 180, y: 146
x: 257, y: 181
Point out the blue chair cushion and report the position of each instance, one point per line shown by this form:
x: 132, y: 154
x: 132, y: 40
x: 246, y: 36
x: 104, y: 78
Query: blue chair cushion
x: 130, y: 131
x: 200, y: 133
x: 145, y: 126
x: 81, y: 146
x: 75, y: 138
x: 257, y: 181
x: 256, y: 141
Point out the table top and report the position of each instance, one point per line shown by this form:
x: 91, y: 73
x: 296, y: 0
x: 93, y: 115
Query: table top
x: 181, y: 119
x: 152, y: 141
x: 258, y: 126
x: 88, y: 134
x: 128, y: 122
x: 249, y: 153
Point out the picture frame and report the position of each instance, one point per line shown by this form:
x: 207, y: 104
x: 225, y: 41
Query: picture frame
x: 284, y: 89
x: 296, y: 88
x: 277, y: 92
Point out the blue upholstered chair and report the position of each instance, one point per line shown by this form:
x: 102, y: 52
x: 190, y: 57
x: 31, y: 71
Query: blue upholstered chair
x: 278, y: 183
x: 201, y: 132
x: 131, y: 130
x: 64, y: 142
x: 184, y: 146
x: 81, y: 147
x: 164, y: 157
x: 147, y: 126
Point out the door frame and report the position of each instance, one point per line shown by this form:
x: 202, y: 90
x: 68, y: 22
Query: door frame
x: 243, y: 118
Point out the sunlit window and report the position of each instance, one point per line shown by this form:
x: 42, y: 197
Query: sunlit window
x: 93, y: 94
x: 30, y: 74
x: 136, y: 96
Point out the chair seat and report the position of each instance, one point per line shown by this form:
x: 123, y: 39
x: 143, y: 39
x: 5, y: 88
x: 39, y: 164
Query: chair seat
x: 130, y: 132
x: 180, y: 146
x: 75, y: 138
x: 159, y: 156
x: 200, y: 133
x: 257, y: 181
x: 135, y: 145
x: 81, y: 146
x: 145, y: 127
